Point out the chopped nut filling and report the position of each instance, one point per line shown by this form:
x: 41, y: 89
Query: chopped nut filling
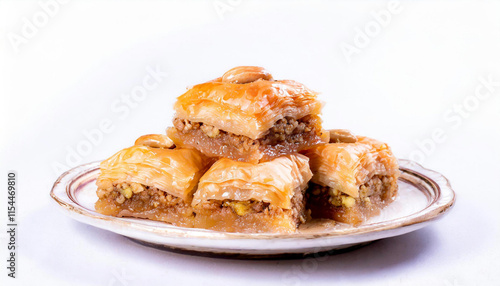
x: 287, y: 136
x: 326, y: 202
x: 282, y: 130
x: 240, y: 215
x: 141, y: 196
x: 136, y: 200
x: 211, y: 131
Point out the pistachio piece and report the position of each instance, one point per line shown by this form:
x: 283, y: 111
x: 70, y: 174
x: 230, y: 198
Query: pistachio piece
x: 333, y: 192
x: 336, y: 201
x: 240, y: 208
x: 127, y: 193
x: 155, y: 141
x: 246, y: 74
x: 342, y: 136
x: 348, y: 201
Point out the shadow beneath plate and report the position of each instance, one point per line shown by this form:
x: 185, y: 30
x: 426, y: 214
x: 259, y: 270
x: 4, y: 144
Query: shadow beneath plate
x: 364, y: 260
x: 98, y: 251
x: 283, y: 256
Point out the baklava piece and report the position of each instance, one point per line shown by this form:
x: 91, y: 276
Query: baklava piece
x: 354, y: 178
x: 244, y: 197
x: 151, y: 180
x: 247, y: 116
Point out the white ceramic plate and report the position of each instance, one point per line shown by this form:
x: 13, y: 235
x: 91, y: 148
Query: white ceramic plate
x: 424, y: 196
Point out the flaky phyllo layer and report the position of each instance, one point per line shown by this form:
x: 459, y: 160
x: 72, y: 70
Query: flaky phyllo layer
x: 274, y: 182
x: 247, y: 153
x: 248, y: 116
x: 158, y: 183
x: 175, y: 171
x: 347, y: 166
x: 246, y: 109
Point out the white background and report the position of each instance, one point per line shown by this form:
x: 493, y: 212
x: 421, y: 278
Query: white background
x: 68, y: 74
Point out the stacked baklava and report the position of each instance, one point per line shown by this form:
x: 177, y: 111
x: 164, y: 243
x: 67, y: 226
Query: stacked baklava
x: 240, y: 158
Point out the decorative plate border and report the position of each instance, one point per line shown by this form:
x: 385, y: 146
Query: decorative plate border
x: 435, y: 186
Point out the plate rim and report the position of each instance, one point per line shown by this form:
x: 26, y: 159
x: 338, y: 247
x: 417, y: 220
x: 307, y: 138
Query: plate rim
x: 442, y: 202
